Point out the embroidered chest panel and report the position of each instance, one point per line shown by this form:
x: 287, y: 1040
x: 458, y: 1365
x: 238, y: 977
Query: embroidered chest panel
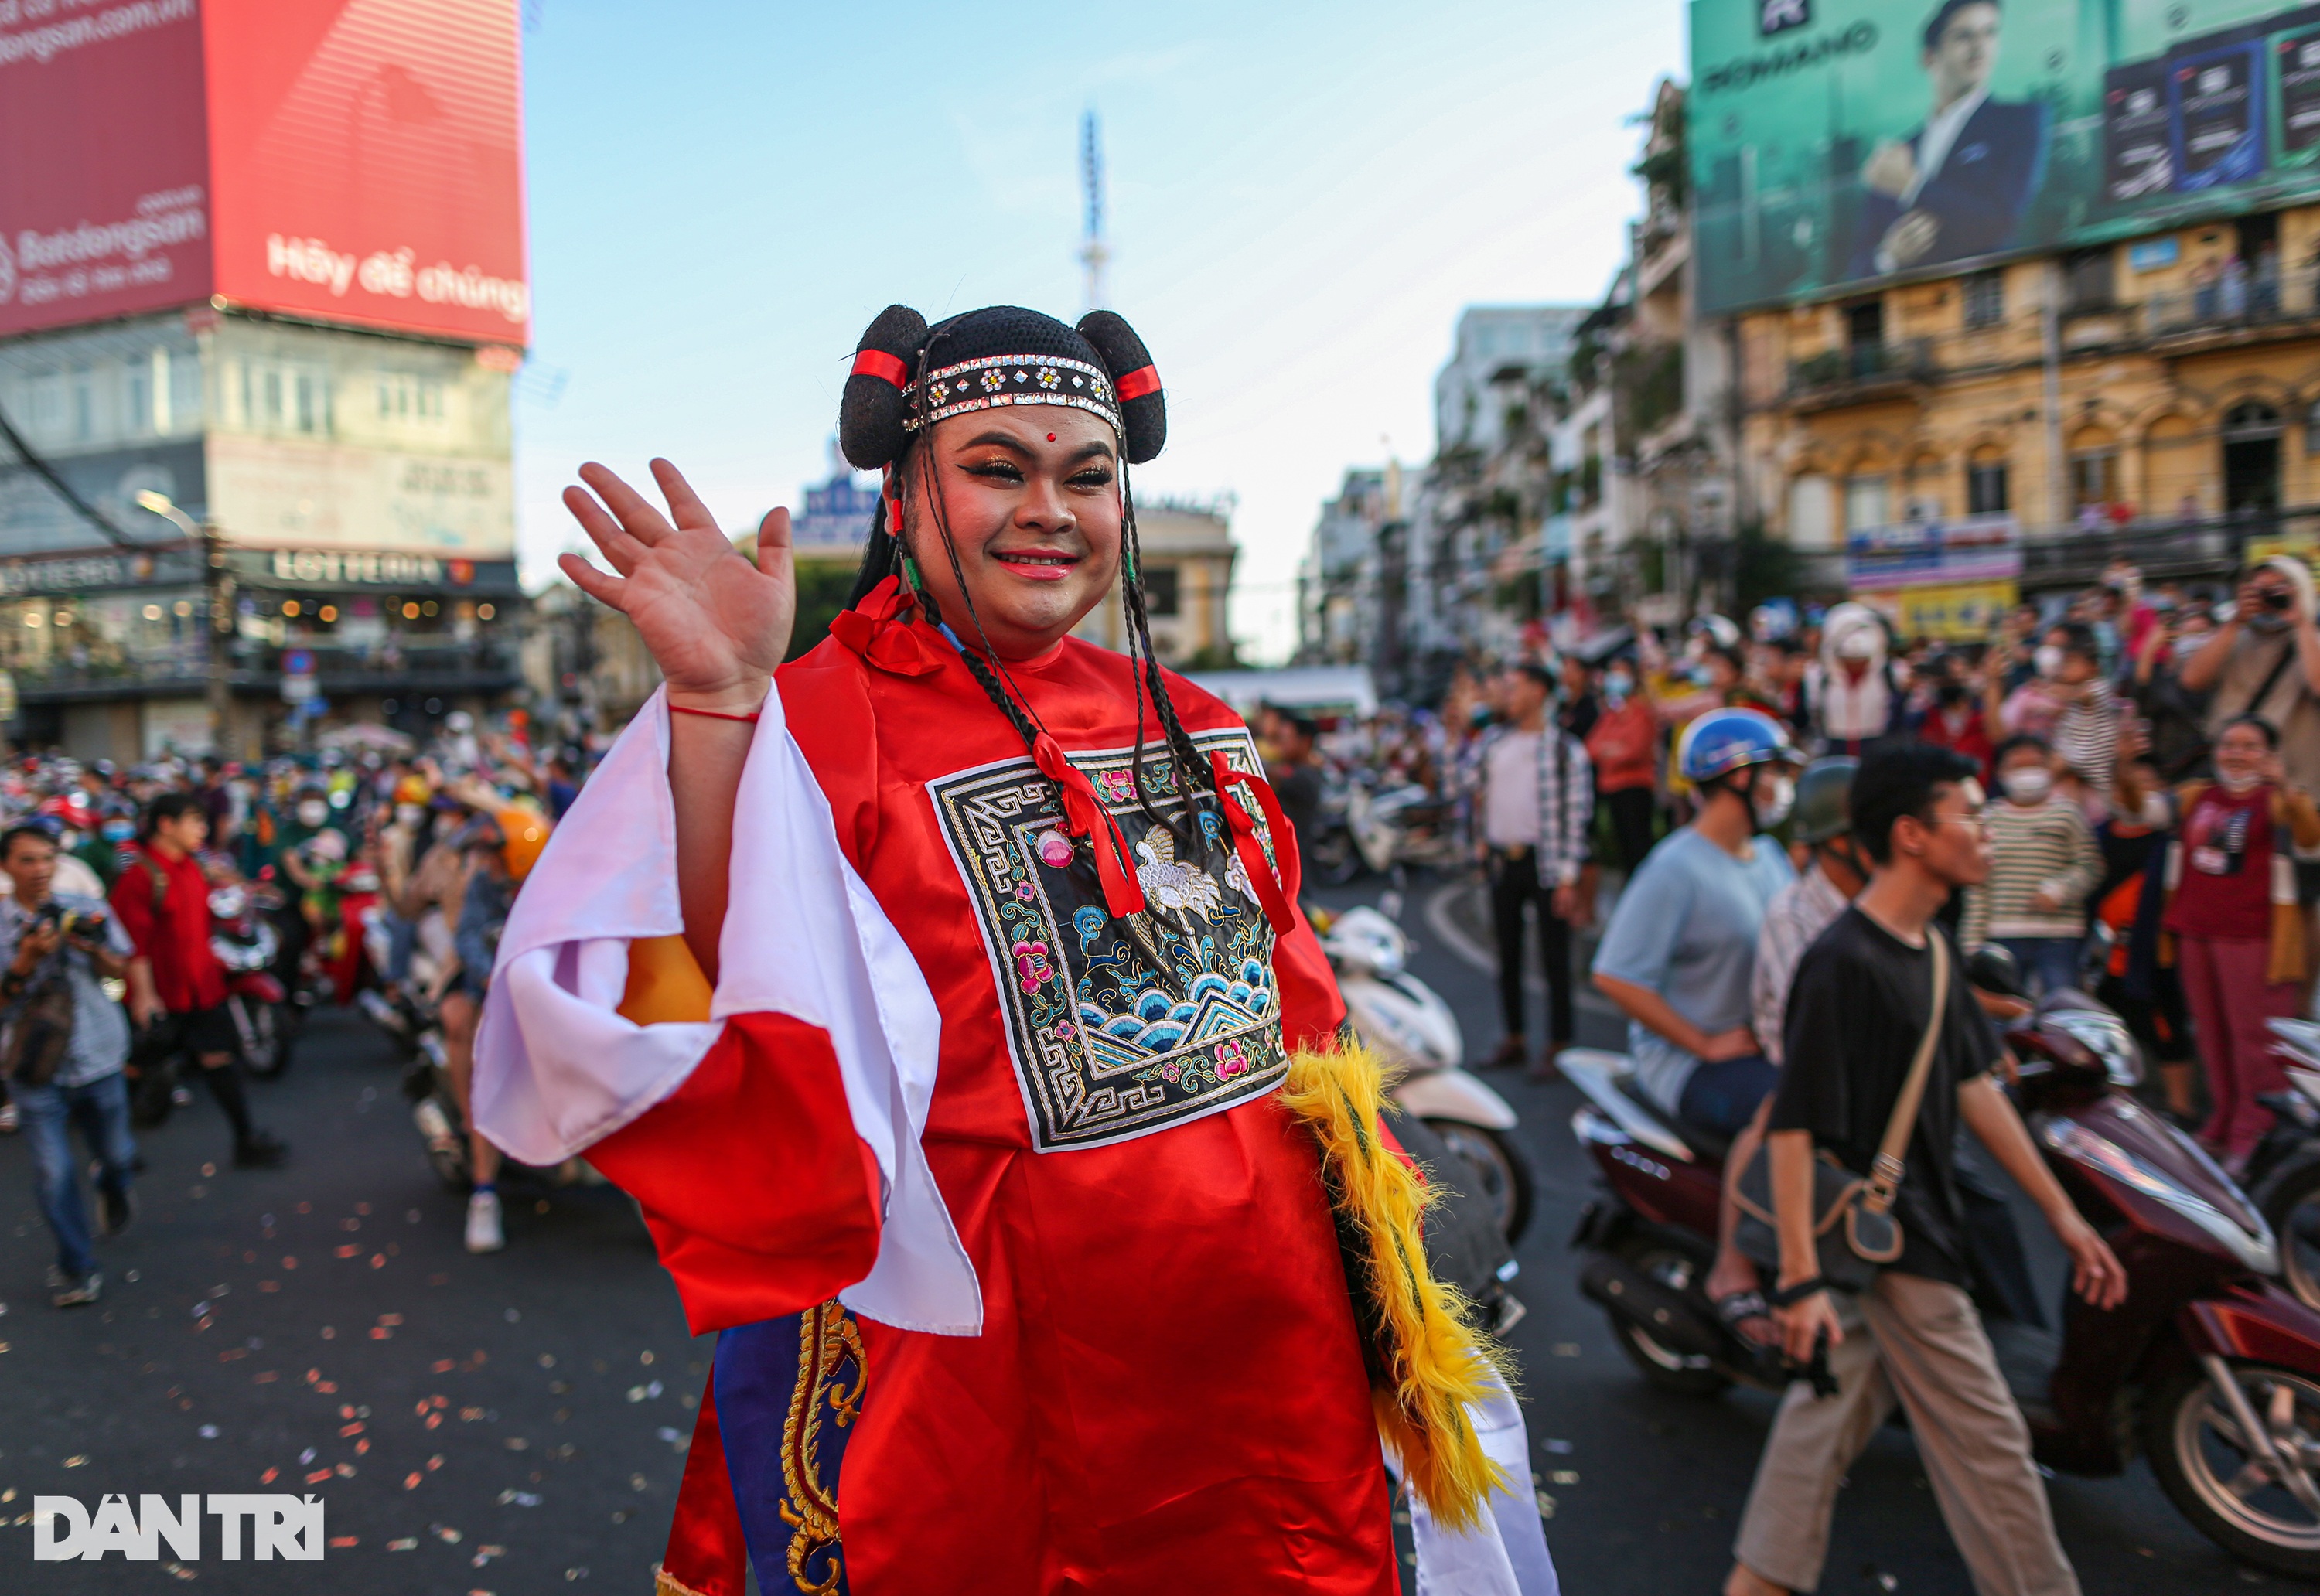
x: 1118, y: 1028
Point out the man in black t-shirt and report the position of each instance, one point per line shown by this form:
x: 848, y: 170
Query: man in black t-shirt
x: 1859, y: 1005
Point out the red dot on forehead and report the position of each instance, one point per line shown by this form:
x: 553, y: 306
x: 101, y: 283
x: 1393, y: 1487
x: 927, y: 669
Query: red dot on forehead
x: 1051, y: 437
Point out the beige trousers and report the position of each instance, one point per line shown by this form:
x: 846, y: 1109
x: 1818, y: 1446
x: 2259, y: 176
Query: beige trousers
x: 1921, y: 1341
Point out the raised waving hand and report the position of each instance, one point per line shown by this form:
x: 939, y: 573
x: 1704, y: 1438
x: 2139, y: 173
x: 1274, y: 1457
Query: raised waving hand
x: 716, y: 624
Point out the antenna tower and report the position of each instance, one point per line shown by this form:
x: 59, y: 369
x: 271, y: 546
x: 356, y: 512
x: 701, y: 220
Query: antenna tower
x: 1092, y: 251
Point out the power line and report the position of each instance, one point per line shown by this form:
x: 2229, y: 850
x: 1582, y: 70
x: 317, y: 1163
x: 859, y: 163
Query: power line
x: 47, y: 474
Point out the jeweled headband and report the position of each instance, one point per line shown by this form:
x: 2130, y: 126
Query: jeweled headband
x: 994, y: 380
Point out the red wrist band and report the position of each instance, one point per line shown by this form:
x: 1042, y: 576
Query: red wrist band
x: 686, y: 709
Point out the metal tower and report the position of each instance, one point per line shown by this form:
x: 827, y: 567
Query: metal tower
x: 1092, y: 251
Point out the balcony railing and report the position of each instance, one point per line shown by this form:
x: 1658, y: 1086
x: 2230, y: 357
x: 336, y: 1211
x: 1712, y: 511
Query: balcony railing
x: 1861, y: 364
x: 404, y: 667
x: 2210, y: 547
x: 2231, y: 299
x: 2225, y: 305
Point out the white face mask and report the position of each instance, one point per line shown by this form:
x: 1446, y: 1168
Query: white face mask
x: 2048, y: 660
x: 2030, y: 783
x: 313, y: 811
x: 1772, y: 802
x: 409, y: 814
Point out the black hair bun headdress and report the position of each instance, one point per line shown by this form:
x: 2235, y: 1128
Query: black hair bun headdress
x: 907, y: 376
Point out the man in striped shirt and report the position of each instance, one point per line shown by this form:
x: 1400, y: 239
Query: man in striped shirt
x: 2085, y: 732
x: 2044, y: 862
x: 1537, y: 803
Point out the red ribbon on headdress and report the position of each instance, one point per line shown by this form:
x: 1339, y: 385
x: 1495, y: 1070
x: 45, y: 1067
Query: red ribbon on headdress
x: 885, y: 367
x: 1084, y: 815
x: 878, y: 628
x: 1271, y: 891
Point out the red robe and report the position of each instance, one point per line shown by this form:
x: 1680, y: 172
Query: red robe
x: 1168, y: 1388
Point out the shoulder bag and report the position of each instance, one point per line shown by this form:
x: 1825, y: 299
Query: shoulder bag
x: 1855, y: 1231
x: 39, y: 1030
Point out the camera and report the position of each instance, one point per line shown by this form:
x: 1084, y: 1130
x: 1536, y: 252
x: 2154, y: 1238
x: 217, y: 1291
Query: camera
x: 75, y: 925
x: 2278, y: 598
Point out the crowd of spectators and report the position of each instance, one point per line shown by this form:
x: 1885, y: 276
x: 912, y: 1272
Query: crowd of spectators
x: 2149, y: 750
x: 108, y: 971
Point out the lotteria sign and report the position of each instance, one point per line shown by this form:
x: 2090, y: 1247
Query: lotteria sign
x: 346, y: 160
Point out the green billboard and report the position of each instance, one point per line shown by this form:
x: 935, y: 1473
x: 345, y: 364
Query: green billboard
x: 1834, y: 142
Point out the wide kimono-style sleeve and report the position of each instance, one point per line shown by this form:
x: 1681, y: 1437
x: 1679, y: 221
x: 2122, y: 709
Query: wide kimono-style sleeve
x: 770, y: 1127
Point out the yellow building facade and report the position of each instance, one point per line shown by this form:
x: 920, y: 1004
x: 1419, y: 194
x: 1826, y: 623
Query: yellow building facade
x: 2160, y: 381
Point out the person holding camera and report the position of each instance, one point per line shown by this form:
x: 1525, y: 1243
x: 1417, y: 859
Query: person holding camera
x: 63, y: 1044
x: 2264, y: 660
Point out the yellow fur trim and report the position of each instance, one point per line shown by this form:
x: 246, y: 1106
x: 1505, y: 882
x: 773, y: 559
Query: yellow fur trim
x: 1437, y: 1362
x: 664, y: 983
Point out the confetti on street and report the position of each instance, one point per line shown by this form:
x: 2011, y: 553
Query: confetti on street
x: 430, y: 1403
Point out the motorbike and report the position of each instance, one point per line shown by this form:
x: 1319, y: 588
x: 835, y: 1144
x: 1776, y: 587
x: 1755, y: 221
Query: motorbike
x: 343, y: 953
x: 404, y: 1009
x: 1398, y: 825
x: 2284, y: 1171
x: 443, y: 1129
x: 247, y: 944
x: 2210, y: 1367
x: 409, y: 1010
x: 1417, y: 1040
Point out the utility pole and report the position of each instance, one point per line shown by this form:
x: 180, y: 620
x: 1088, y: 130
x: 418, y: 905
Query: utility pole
x: 2050, y: 340
x: 217, y: 588
x: 1094, y: 253
x: 217, y: 604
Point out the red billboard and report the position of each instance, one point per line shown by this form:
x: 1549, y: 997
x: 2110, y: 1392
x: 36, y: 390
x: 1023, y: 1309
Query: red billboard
x: 344, y: 160
x: 367, y: 163
x: 103, y: 164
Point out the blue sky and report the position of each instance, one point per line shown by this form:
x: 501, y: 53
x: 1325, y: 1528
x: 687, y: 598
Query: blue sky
x: 1301, y: 197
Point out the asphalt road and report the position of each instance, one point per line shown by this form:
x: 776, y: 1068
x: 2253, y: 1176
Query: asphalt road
x: 557, y: 1377
x: 1646, y: 1488
x: 561, y: 1382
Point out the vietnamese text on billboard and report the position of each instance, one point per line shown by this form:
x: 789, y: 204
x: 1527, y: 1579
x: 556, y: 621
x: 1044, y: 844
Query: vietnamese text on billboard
x: 103, y: 170
x: 1834, y: 142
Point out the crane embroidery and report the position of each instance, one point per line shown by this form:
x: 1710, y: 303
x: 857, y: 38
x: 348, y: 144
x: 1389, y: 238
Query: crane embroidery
x: 1186, y: 889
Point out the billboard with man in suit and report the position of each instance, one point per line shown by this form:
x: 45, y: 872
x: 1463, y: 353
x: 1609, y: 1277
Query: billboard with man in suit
x: 1836, y: 143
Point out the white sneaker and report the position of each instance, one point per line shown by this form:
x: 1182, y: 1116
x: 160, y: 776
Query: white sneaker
x: 12, y: 1119
x: 484, y: 1223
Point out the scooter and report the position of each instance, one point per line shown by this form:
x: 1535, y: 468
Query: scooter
x: 2210, y: 1366
x: 247, y: 944
x: 1417, y: 1039
x: 2283, y: 1172
x: 1402, y: 824
x: 345, y: 955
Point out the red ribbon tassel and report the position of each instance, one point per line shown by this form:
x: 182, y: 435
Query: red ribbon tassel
x: 878, y: 628
x: 1084, y: 815
x: 1270, y: 890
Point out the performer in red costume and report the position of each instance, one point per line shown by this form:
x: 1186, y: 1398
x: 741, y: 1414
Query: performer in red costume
x: 936, y: 1006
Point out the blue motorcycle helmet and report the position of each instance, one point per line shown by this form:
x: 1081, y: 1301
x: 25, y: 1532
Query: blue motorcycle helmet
x: 1722, y: 741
